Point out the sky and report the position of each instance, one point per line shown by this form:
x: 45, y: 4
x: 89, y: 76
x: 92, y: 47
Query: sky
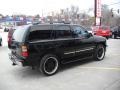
x: 33, y: 7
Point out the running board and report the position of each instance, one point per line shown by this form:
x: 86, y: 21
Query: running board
x: 77, y: 60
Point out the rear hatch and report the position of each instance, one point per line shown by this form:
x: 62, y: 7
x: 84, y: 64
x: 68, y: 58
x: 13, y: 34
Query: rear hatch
x: 18, y: 40
x: 104, y: 30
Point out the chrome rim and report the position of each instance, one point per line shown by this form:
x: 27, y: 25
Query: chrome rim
x: 50, y: 65
x: 100, y: 53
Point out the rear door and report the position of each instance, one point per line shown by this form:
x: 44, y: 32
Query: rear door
x: 64, y: 41
x: 40, y: 40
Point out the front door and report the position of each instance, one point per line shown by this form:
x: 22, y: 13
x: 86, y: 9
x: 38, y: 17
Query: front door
x: 84, y: 44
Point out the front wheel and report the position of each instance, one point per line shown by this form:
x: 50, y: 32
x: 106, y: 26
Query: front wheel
x: 49, y: 65
x: 99, y: 52
x: 107, y: 37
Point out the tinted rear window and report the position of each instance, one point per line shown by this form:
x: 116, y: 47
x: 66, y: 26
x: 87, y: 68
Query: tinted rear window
x: 40, y: 35
x: 104, y: 28
x: 19, y: 33
x: 63, y: 31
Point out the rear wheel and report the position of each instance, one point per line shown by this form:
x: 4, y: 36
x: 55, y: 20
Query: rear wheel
x: 113, y: 36
x: 99, y: 52
x: 49, y: 65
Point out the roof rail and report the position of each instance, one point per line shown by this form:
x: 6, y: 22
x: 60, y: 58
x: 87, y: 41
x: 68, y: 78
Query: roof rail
x: 62, y: 22
x: 36, y: 23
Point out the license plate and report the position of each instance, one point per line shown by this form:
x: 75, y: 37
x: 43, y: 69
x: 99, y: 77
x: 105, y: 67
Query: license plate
x: 14, y: 60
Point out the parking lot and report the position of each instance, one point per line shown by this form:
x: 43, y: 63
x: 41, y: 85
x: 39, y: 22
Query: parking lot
x: 82, y: 75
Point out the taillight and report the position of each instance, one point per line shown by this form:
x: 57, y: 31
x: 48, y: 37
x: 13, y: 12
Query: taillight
x: 24, y: 51
x: 9, y: 38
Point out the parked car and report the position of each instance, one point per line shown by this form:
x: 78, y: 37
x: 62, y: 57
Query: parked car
x: 104, y: 31
x: 0, y: 41
x: 15, y: 24
x: 10, y: 33
x: 115, y: 32
x: 47, y: 46
x: 6, y: 29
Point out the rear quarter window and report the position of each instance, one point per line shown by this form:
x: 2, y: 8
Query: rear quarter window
x: 40, y: 32
x: 40, y: 35
x: 19, y: 33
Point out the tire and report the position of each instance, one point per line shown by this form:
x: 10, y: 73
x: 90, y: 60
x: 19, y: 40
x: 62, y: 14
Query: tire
x: 1, y: 42
x: 49, y: 64
x: 107, y: 37
x: 99, y: 52
x: 113, y: 36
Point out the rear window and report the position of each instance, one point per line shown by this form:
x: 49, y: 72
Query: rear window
x: 40, y: 35
x: 63, y: 34
x: 104, y: 28
x: 40, y: 32
x: 19, y: 33
x: 63, y: 31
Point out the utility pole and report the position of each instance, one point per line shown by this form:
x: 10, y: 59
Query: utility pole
x: 97, y: 12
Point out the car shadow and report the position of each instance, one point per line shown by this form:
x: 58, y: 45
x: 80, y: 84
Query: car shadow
x: 28, y: 73
x: 68, y: 66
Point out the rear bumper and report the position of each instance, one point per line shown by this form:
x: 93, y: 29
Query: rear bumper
x: 104, y: 35
x: 15, y: 60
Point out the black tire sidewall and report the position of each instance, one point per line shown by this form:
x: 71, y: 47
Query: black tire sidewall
x: 96, y: 52
x: 114, y: 36
x: 42, y: 62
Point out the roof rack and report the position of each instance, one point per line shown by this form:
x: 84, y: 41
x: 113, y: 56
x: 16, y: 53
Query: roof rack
x: 62, y: 22
x: 36, y: 23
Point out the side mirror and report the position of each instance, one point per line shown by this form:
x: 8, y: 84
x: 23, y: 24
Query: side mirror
x: 89, y: 35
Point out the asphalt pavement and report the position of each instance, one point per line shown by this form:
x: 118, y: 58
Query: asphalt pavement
x: 82, y: 75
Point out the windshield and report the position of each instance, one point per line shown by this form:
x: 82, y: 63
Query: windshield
x: 19, y: 33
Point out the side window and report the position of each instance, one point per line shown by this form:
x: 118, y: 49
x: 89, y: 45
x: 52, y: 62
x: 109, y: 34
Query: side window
x: 79, y: 31
x: 63, y: 32
x: 40, y: 35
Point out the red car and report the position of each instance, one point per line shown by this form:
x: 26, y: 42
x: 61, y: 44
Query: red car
x: 10, y: 33
x: 102, y: 31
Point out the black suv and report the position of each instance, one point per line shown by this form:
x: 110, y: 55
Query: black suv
x: 115, y: 32
x: 46, y: 46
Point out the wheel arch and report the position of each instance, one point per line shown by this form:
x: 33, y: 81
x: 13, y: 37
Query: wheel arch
x: 102, y: 43
x: 52, y: 52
